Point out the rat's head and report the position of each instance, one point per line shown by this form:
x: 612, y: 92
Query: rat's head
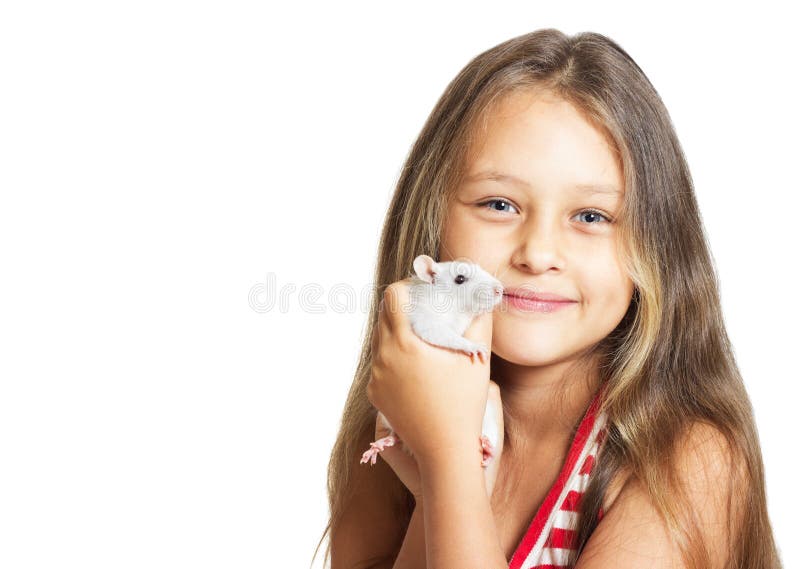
x: 461, y: 285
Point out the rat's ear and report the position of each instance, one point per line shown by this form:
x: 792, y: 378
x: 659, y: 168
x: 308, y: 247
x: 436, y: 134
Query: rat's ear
x: 426, y: 268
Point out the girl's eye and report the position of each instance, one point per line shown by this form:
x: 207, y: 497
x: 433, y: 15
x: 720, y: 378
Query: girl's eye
x: 499, y: 205
x: 594, y: 214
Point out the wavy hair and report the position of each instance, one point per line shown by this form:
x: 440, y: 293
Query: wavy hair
x: 668, y: 365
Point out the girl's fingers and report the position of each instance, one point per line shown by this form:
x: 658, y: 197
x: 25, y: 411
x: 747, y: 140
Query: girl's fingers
x: 388, y: 307
x: 396, y: 305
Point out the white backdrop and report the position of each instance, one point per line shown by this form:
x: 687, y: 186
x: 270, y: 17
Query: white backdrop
x: 161, y: 163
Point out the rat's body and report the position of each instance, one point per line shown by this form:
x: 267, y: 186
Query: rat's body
x: 445, y: 299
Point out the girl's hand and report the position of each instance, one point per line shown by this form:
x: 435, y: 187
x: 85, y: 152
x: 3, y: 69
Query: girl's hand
x: 406, y: 468
x: 433, y: 397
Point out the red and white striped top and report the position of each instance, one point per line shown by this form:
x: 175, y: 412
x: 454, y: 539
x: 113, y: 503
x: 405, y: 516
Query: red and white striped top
x: 547, y: 543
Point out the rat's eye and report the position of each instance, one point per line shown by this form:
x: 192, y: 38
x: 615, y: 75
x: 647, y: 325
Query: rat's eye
x: 460, y: 279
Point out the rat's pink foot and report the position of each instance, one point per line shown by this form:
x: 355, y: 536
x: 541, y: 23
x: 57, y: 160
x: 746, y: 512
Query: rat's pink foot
x: 372, y: 454
x: 482, y: 354
x: 488, y: 450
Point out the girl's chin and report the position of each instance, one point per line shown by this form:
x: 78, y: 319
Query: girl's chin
x: 515, y: 339
x: 528, y: 356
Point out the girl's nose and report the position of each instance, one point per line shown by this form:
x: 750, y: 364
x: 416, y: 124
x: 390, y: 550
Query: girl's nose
x: 540, y: 249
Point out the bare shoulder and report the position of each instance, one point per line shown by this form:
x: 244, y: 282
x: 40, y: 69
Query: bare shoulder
x: 367, y: 534
x: 633, y: 534
x: 706, y: 461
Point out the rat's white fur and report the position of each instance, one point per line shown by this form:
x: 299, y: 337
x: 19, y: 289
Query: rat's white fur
x: 441, y: 311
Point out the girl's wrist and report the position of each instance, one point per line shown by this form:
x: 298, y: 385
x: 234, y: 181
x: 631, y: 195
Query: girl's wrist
x: 450, y: 457
x: 459, y: 443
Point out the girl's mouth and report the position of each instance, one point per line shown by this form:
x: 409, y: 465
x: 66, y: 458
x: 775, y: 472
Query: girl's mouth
x: 527, y: 304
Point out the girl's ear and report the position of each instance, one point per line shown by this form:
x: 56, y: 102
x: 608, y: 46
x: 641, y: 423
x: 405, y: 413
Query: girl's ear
x: 426, y: 268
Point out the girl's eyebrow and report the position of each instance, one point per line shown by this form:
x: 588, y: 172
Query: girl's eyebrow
x: 496, y: 176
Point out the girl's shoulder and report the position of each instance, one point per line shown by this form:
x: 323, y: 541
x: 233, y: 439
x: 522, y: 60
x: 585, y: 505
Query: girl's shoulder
x: 702, y: 456
x: 711, y: 477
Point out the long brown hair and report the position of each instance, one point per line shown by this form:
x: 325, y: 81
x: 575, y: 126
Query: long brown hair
x: 669, y: 363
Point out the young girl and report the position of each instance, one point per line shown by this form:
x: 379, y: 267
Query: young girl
x: 629, y: 439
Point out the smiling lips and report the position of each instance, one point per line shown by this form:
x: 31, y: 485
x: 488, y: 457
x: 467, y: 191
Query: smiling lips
x: 527, y: 301
x: 530, y: 296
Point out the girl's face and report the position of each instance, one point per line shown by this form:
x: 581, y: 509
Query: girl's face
x: 534, y: 210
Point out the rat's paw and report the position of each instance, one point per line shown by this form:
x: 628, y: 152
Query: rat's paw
x: 473, y: 349
x: 482, y: 353
x: 487, y: 448
x: 372, y: 454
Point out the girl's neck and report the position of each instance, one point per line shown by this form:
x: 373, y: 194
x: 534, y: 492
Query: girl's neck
x: 544, y: 403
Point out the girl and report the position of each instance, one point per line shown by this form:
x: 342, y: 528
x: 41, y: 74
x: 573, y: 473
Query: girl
x: 629, y: 439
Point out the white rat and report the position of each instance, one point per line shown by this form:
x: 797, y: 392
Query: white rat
x: 445, y: 298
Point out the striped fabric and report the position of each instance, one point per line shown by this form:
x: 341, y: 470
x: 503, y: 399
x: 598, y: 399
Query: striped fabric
x: 549, y: 539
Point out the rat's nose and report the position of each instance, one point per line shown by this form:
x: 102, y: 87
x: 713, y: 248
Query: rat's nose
x: 498, y: 290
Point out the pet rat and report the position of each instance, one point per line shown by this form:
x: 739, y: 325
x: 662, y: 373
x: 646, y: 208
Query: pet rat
x: 445, y: 298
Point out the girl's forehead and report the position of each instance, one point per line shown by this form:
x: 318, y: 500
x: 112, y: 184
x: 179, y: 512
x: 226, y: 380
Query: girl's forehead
x: 563, y: 150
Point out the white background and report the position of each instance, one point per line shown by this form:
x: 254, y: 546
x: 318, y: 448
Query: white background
x: 159, y: 160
